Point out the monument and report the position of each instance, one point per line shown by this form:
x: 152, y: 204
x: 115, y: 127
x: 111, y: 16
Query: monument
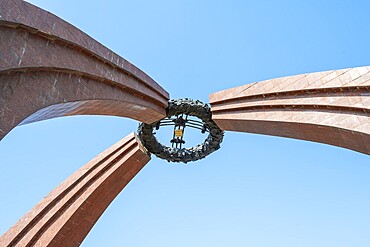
x: 49, y: 69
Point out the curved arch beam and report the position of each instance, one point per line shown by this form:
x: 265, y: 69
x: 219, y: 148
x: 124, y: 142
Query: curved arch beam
x: 49, y: 68
x: 331, y: 107
x: 67, y: 214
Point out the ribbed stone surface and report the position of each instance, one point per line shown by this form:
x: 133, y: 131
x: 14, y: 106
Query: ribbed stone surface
x: 331, y: 107
x: 49, y: 68
x: 67, y: 214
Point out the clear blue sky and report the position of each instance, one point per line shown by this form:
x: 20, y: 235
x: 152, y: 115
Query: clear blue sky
x: 256, y: 190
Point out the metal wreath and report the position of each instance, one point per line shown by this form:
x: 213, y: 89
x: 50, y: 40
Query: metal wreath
x: 192, y: 108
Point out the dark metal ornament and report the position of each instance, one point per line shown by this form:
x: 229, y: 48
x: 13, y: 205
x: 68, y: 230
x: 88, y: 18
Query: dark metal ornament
x: 182, y: 108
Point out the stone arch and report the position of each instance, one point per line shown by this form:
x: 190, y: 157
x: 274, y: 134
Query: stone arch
x: 331, y: 107
x: 66, y: 215
x: 49, y: 68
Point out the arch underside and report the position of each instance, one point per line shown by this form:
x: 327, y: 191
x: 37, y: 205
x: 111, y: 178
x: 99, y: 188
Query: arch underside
x: 331, y: 107
x: 35, y: 95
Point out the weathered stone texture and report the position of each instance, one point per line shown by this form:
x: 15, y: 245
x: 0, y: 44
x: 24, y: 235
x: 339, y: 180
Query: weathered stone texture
x: 67, y: 214
x: 331, y: 107
x: 46, y: 62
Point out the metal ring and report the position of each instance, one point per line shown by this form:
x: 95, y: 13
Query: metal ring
x: 192, y: 108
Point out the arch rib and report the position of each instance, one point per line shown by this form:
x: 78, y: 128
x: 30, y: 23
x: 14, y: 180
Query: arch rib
x: 46, y: 62
x: 331, y: 107
x: 67, y: 214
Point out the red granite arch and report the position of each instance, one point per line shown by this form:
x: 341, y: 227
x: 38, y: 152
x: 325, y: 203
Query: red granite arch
x: 331, y: 107
x: 67, y: 214
x: 49, y: 68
